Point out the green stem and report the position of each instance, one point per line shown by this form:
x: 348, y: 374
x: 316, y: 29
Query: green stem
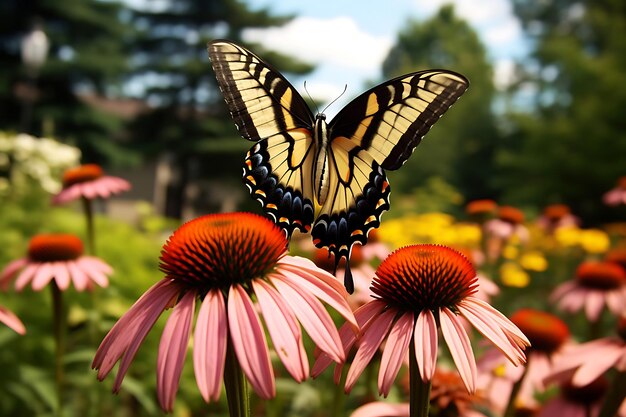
x: 419, y: 395
x: 60, y: 324
x: 339, y: 396
x: 510, y: 407
x: 88, y: 209
x: 615, y: 396
x: 236, y: 386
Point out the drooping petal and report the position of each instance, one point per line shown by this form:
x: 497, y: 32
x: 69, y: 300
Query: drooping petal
x: 79, y: 277
x: 426, y: 344
x: 61, y: 275
x: 460, y: 348
x: 10, y: 270
x: 563, y: 289
x: 249, y: 342
x: 371, y: 338
x: 363, y: 315
x: 12, y: 321
x: 209, y: 345
x: 95, y: 270
x: 317, y: 285
x: 126, y: 336
x: 313, y: 317
x: 173, y: 350
x: 395, y: 351
x: 590, y: 370
x: 594, y: 304
x: 43, y: 276
x: 494, y: 326
x: 381, y: 409
x: 299, y: 265
x: 26, y: 276
x: 284, y: 330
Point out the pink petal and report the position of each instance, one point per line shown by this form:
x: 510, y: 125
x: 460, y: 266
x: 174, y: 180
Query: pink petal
x: 284, y: 330
x: 42, y: 277
x: 426, y: 344
x: 381, y: 409
x: 563, y: 289
x: 124, y: 339
x: 371, y: 338
x: 12, y: 321
x: 298, y: 265
x: 594, y: 304
x: 494, y: 326
x: 395, y: 351
x: 173, y: 350
x: 363, y: 315
x: 460, y: 348
x: 249, y: 342
x: 313, y: 317
x: 61, y: 275
x: 318, y: 286
x: 26, y: 276
x: 616, y: 301
x: 600, y: 362
x: 574, y: 300
x: 95, y: 270
x: 10, y: 270
x: 209, y: 345
x: 79, y: 277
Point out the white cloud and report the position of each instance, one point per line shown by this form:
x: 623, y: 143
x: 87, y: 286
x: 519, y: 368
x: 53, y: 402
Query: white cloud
x: 337, y: 41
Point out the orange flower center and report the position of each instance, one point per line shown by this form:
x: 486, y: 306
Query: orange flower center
x: 601, y: 275
x: 417, y: 277
x: 54, y: 247
x: 556, y: 212
x: 83, y: 173
x: 481, y: 207
x: 587, y: 394
x: 546, y: 332
x: 218, y: 250
x: 511, y: 215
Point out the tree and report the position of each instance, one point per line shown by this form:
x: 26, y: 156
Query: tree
x: 189, y: 122
x: 460, y: 147
x: 571, y: 145
x: 87, y: 57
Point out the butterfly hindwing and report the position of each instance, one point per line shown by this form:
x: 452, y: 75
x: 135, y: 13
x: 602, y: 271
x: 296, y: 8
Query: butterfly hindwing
x: 390, y: 120
x: 267, y: 109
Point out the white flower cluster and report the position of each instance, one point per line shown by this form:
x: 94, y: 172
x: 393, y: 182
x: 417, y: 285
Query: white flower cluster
x: 25, y: 160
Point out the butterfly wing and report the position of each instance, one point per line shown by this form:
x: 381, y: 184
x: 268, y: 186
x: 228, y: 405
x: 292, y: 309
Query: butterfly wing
x: 268, y: 110
x: 378, y: 130
x: 391, y: 119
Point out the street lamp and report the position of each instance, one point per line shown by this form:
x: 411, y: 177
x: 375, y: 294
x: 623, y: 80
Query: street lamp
x: 34, y: 50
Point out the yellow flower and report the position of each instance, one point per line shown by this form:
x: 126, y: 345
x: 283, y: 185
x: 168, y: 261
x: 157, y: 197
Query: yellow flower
x: 510, y: 252
x: 567, y: 236
x: 594, y: 241
x: 512, y: 275
x: 534, y: 261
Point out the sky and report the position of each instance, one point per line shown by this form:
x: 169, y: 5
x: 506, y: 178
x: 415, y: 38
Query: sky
x: 349, y: 39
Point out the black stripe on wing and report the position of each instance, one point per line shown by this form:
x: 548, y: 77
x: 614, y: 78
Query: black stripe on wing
x: 261, y: 101
x: 390, y: 120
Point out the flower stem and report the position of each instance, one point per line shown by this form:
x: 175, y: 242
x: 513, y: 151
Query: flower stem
x: 236, y: 386
x: 510, y: 407
x: 339, y: 396
x: 59, y: 318
x: 88, y: 209
x: 615, y: 396
x: 419, y: 395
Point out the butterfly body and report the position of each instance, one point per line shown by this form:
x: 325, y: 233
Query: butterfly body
x: 327, y: 178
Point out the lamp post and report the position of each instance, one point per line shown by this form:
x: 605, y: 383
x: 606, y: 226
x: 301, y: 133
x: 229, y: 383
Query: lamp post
x: 34, y: 50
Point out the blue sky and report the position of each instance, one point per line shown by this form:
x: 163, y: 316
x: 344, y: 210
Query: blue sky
x: 349, y: 39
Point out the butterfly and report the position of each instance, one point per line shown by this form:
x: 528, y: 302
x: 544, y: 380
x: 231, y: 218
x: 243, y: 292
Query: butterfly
x: 327, y: 178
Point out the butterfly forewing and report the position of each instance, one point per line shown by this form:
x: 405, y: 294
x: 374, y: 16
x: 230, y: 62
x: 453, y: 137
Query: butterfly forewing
x: 390, y: 120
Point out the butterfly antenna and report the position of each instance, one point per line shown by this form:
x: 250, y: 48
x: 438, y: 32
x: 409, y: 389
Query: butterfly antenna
x: 317, y: 109
x: 345, y: 88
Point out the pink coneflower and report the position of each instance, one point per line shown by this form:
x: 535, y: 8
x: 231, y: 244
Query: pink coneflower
x: 596, y: 284
x: 548, y: 336
x: 556, y: 216
x: 88, y: 181
x: 590, y: 360
x: 481, y: 210
x: 11, y: 320
x: 509, y: 224
x: 617, y: 195
x: 58, y: 258
x: 418, y: 290
x: 224, y: 261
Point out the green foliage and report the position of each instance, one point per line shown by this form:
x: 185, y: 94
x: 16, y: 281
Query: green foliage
x: 460, y: 147
x: 569, y: 145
